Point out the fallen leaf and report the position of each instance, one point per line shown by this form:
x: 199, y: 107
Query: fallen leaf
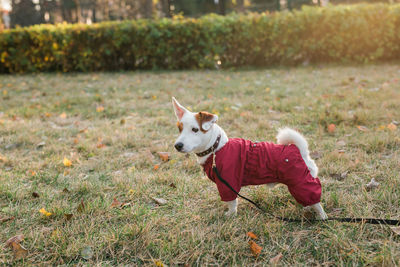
x: 3, y: 159
x: 156, y: 167
x: 159, y: 201
x: 316, y: 155
x: 115, y: 203
x: 164, y: 156
x: 15, y: 239
x: 339, y: 176
x: 122, y: 121
x: 55, y: 234
x: 45, y: 213
x: 392, y: 127
x: 40, y: 145
x: 65, y: 190
x: 340, y: 143
x: 362, y: 128
x: 99, y: 109
x: 3, y: 220
x: 19, y: 251
x: 35, y: 195
x: 381, y: 127
x: 125, y: 204
x: 276, y: 259
x: 67, y: 162
x: 331, y: 128
x: 252, y: 235
x: 372, y: 184
x: 100, y: 145
x: 81, y: 206
x: 159, y: 263
x: 336, y: 211
x: 255, y: 249
x: 172, y: 185
x: 396, y: 230
x: 68, y: 216
x: 63, y: 115
x: 87, y: 253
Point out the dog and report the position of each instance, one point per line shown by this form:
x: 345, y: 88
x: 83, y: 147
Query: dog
x: 242, y: 162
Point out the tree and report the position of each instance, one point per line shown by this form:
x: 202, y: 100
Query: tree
x: 24, y: 13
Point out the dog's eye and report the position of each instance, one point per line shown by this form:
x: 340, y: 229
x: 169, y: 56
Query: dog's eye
x: 195, y: 130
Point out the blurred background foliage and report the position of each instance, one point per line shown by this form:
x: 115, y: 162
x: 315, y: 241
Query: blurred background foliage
x: 359, y: 33
x: 30, y: 12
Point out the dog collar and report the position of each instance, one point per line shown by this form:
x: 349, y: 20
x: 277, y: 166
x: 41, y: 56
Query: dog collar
x: 211, y: 149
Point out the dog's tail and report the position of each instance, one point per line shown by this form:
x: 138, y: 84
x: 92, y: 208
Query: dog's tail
x: 289, y: 136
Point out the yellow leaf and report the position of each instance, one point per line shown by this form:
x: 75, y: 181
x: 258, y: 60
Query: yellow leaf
x: 100, y: 109
x: 381, y: 128
x: 45, y: 213
x: 267, y: 89
x: 158, y: 263
x: 5, y: 92
x: 392, y: 127
x: 215, y: 112
x: 55, y: 234
x: 154, y: 97
x: 67, y: 162
x: 63, y: 115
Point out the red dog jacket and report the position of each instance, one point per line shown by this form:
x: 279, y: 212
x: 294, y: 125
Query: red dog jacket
x: 241, y: 162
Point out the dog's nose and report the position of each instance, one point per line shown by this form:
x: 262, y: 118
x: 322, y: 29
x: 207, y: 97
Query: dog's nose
x: 179, y: 146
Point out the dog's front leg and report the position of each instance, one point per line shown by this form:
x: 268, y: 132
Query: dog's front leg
x: 232, y: 208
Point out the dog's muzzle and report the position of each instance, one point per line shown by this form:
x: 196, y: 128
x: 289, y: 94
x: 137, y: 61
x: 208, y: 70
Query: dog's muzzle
x: 179, y: 146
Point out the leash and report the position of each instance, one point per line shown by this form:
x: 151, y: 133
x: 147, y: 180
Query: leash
x: 347, y: 220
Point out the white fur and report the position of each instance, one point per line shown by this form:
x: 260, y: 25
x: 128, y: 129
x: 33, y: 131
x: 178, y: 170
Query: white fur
x: 289, y: 136
x: 200, y: 141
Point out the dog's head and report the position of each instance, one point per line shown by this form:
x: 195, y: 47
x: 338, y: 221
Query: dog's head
x: 195, y: 128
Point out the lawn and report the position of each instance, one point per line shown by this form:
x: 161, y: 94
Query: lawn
x: 109, y: 127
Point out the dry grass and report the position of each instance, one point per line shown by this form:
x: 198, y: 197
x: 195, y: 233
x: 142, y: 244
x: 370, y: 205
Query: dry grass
x: 138, y: 121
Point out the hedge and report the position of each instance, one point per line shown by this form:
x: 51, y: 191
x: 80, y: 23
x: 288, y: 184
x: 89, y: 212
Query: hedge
x: 356, y: 33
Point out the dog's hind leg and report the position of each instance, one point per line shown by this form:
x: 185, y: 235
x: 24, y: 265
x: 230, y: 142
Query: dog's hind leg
x: 232, y: 208
x: 321, y: 215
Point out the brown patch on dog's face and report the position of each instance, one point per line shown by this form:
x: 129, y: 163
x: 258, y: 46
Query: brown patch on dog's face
x: 180, y: 126
x: 202, y: 117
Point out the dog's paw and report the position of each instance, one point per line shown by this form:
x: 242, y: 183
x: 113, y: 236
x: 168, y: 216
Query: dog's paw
x: 322, y: 216
x: 231, y: 213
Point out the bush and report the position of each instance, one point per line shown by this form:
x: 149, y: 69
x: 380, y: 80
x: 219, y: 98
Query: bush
x: 357, y: 33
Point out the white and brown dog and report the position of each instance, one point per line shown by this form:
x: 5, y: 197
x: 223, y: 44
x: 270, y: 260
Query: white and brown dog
x: 241, y: 162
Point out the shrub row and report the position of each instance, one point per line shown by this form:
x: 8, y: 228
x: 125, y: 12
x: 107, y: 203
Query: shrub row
x: 357, y: 33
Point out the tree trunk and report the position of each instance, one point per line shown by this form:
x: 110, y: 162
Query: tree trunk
x: 221, y: 6
x: 240, y: 5
x: 166, y: 8
x: 148, y: 8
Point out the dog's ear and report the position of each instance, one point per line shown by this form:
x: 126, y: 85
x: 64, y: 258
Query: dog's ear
x: 178, y: 108
x: 205, y: 120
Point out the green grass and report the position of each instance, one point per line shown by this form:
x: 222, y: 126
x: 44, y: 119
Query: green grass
x: 138, y: 121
